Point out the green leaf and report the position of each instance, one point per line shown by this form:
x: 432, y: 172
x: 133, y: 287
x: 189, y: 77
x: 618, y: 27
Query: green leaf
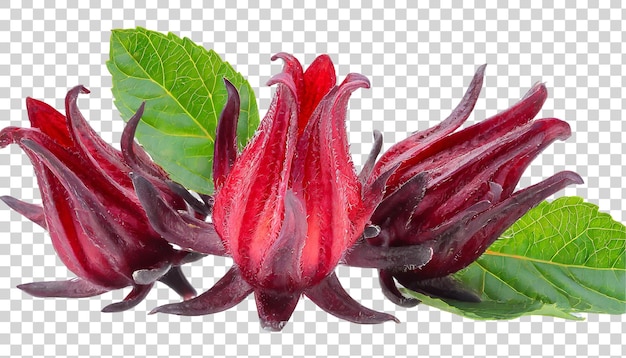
x: 182, y: 84
x: 561, y: 258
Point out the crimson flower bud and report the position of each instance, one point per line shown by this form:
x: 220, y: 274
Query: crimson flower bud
x: 454, y: 192
x: 290, y: 205
x: 90, y: 209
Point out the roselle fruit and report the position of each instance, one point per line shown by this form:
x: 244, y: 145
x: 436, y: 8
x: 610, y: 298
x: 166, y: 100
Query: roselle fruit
x: 289, y: 206
x: 89, y: 207
x: 454, y: 192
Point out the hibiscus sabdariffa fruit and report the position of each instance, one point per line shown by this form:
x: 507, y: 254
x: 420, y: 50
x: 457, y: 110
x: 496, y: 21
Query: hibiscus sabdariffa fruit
x: 89, y: 207
x: 454, y: 191
x: 289, y: 206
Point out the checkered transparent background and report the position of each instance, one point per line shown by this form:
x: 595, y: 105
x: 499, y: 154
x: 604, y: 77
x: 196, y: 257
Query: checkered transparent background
x: 419, y: 60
